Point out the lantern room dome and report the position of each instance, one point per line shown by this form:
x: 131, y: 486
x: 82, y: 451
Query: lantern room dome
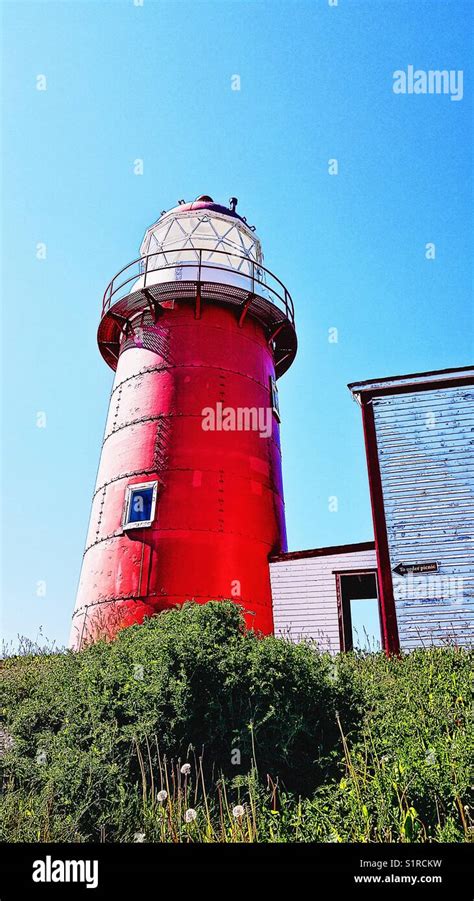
x: 206, y: 203
x: 206, y: 225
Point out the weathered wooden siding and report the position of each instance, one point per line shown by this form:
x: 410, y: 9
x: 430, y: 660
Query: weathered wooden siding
x: 425, y: 442
x: 304, y: 595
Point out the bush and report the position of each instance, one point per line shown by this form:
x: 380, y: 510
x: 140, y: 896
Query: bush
x: 190, y: 677
x: 377, y: 749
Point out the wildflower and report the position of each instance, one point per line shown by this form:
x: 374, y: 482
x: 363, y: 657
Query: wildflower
x: 6, y: 742
x: 332, y: 672
x: 139, y: 837
x: 186, y: 769
x: 190, y: 815
x: 238, y: 811
x: 162, y: 795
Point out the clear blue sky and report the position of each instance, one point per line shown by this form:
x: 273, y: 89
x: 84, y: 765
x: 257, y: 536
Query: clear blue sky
x: 154, y: 82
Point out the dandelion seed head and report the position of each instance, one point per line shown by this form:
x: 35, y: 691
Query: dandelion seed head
x: 186, y: 769
x: 238, y: 811
x: 190, y: 815
x: 162, y: 795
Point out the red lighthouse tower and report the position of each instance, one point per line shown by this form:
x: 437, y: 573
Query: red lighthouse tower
x: 188, y: 503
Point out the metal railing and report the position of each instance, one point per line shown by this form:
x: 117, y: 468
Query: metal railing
x: 258, y: 277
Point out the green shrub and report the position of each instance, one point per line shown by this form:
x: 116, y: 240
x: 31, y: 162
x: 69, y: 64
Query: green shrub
x: 354, y: 748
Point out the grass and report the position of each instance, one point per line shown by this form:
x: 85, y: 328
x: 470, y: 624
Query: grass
x: 189, y: 729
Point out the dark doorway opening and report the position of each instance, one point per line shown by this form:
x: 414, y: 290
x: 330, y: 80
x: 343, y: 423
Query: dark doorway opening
x: 358, y: 610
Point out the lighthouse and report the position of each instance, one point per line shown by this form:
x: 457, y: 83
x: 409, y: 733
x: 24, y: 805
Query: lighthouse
x: 188, y: 502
